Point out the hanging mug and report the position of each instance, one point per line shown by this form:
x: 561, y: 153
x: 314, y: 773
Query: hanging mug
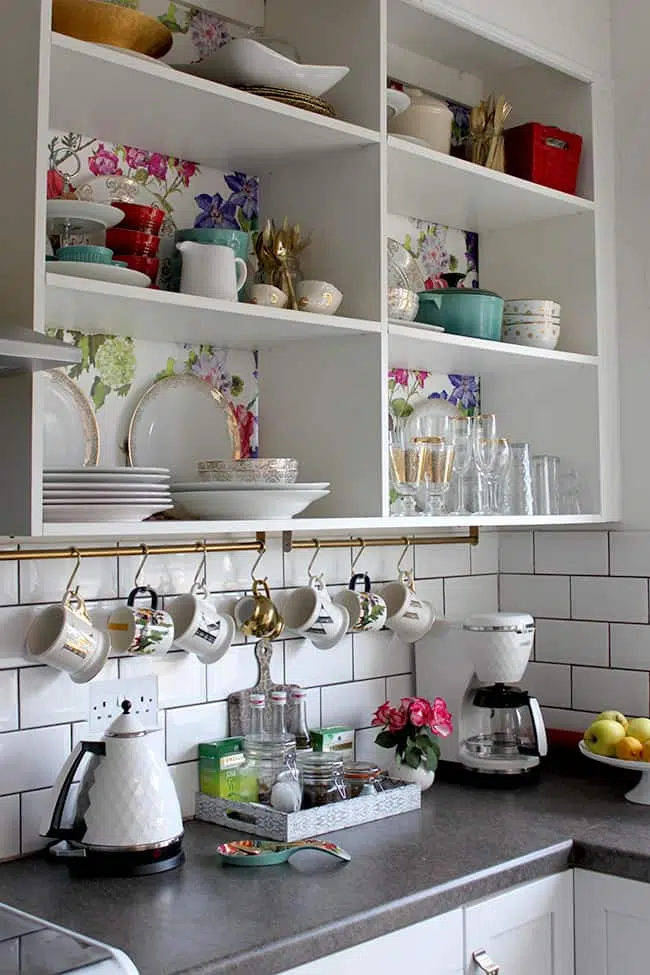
x: 199, y: 628
x: 257, y: 614
x: 409, y: 617
x: 141, y: 630
x: 63, y: 637
x: 367, y: 609
x: 310, y: 612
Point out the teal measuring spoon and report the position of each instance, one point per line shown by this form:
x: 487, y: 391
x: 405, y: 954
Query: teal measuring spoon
x: 266, y: 853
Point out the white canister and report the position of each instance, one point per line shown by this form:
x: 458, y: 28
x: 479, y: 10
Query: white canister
x: 426, y: 118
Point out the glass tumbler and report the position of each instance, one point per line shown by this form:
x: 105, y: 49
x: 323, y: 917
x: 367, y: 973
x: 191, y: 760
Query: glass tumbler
x: 546, y: 490
x: 518, y: 487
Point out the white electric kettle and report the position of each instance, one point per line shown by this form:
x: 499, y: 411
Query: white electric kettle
x: 127, y: 816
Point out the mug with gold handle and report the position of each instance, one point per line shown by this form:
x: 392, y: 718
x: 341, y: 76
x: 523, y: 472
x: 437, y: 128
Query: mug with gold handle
x: 257, y: 614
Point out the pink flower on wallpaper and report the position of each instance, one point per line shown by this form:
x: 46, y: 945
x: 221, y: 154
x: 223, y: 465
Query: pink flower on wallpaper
x: 184, y: 169
x: 55, y: 184
x: 136, y: 158
x: 103, y: 162
x: 421, y: 376
x: 435, y: 282
x: 401, y: 376
x: 247, y: 423
x: 208, y: 33
x: 157, y: 165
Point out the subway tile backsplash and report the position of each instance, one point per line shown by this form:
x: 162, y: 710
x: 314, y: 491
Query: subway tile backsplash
x: 43, y: 714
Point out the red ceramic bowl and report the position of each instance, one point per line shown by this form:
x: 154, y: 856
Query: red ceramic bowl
x: 147, y: 265
x: 137, y: 217
x: 132, y: 242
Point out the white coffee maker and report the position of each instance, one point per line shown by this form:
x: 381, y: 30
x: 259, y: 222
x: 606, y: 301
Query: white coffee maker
x: 475, y: 665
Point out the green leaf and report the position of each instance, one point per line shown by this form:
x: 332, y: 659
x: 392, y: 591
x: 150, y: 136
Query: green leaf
x: 141, y: 175
x: 385, y: 739
x: 242, y: 220
x: 237, y: 386
x: 99, y: 392
x: 412, y: 756
x: 95, y: 343
x: 76, y: 371
x: 123, y: 390
x: 401, y: 408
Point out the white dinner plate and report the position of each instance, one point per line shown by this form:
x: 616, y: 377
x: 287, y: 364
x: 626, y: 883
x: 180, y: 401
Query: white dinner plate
x: 183, y: 486
x: 106, y: 487
x: 89, y: 512
x: 246, y: 505
x: 110, y: 273
x: 179, y: 421
x: 70, y: 432
x: 162, y: 500
x: 80, y: 213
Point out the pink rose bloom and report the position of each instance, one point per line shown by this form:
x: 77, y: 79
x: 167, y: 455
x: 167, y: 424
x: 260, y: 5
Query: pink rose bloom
x: 103, y: 162
x: 136, y: 158
x: 397, y: 719
x: 55, y: 184
x: 400, y: 376
x: 247, y: 423
x: 440, y: 720
x: 382, y: 714
x: 185, y: 170
x: 435, y: 282
x: 157, y: 165
x: 419, y: 712
x: 421, y: 376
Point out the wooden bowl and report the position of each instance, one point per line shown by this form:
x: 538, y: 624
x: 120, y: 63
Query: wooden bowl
x: 107, y: 23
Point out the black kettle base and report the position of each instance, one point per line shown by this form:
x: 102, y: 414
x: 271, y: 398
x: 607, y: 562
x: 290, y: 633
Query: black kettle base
x: 135, y: 863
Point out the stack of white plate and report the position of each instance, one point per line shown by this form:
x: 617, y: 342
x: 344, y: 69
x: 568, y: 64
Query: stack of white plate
x: 245, y: 501
x: 100, y: 494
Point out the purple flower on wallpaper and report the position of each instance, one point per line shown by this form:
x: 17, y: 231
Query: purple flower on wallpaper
x: 442, y: 395
x: 216, y: 212
x: 208, y: 33
x: 465, y: 391
x: 211, y: 367
x: 244, y: 193
x: 471, y: 252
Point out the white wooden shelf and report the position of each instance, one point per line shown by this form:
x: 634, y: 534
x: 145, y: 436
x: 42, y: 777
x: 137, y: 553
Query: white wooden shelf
x: 132, y: 102
x: 457, y: 193
x: 25, y: 351
x: 416, y: 347
x: 162, y: 316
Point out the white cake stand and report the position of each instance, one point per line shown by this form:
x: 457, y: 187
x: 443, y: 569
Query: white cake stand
x: 641, y: 791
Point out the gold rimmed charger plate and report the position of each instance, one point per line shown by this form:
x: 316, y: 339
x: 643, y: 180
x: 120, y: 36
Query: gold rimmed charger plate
x: 296, y: 99
x: 81, y: 413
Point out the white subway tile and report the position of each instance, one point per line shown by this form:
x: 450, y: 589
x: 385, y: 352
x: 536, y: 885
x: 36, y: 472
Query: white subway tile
x: 32, y: 759
x: 563, y: 720
x: 380, y: 654
x: 164, y: 573
x: 49, y: 697
x: 8, y: 579
x: 613, y: 600
x: 33, y: 806
x: 8, y: 700
x: 181, y: 677
x: 307, y: 666
x: 44, y: 581
x: 600, y: 690
x: 549, y: 683
x: 186, y: 780
x: 399, y: 687
x: 572, y: 553
x: 365, y: 749
x: 238, y: 669
x: 538, y: 595
x: 352, y: 705
x: 186, y: 727
x: 14, y: 623
x: 516, y: 551
x: 9, y: 827
x: 380, y: 563
x: 630, y: 553
x: 333, y: 563
x: 313, y: 707
x: 630, y: 646
x: 484, y: 557
x: 232, y: 570
x: 471, y: 594
x: 572, y: 642
x: 437, y: 561
x: 433, y: 591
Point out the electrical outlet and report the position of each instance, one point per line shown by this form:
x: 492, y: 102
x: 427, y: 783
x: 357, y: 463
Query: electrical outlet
x: 106, y: 698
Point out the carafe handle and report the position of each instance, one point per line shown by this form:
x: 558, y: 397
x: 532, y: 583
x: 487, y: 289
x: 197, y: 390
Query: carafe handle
x: 538, y: 727
x: 51, y: 824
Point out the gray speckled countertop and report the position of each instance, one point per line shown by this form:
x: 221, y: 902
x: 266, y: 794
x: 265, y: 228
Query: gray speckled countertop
x: 463, y: 844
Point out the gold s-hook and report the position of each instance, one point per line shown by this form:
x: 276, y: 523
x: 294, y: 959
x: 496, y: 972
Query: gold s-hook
x: 400, y: 569
x: 68, y: 589
x: 138, y: 575
x: 200, y: 584
x: 310, y: 574
x: 259, y: 558
x: 356, y: 558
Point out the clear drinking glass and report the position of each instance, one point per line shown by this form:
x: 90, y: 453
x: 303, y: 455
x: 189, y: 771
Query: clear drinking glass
x: 404, y: 465
x: 436, y: 464
x: 484, y: 449
x: 546, y: 494
x: 570, y: 503
x: 518, y: 493
x: 427, y: 421
x: 461, y: 438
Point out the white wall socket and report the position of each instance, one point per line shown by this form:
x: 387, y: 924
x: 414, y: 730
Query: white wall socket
x: 106, y: 696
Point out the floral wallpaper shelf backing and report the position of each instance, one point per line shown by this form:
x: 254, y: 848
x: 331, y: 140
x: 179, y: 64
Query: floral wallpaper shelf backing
x: 438, y: 249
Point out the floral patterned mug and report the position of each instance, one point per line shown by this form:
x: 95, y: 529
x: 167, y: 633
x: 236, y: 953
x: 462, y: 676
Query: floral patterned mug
x: 367, y: 609
x: 141, y: 630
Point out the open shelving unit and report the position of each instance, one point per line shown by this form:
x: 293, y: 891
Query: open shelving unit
x: 323, y: 379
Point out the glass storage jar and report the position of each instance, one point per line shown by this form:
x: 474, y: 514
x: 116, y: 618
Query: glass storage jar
x: 362, y: 779
x: 322, y: 779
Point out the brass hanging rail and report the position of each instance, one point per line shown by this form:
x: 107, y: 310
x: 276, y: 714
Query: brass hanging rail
x: 189, y: 548
x: 289, y: 543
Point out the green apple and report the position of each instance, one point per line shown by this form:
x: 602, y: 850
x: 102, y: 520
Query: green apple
x: 602, y: 736
x: 613, y: 716
x: 639, y: 728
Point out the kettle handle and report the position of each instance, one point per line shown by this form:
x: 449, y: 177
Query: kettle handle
x: 538, y: 726
x: 51, y: 824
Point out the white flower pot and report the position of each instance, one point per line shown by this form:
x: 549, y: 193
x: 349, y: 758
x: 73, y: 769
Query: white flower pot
x: 421, y: 776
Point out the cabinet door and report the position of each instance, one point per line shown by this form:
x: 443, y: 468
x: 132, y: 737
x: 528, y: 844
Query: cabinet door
x: 611, y: 921
x: 528, y: 930
x: 438, y: 939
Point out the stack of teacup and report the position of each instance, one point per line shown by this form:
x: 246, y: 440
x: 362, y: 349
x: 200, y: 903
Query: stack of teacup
x: 532, y: 321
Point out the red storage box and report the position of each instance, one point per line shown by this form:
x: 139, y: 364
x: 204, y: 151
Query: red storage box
x: 544, y: 154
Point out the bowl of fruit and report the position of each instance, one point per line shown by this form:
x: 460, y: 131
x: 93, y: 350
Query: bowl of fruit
x: 614, y: 740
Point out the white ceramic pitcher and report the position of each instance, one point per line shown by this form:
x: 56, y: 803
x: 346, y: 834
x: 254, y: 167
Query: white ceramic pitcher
x: 211, y: 270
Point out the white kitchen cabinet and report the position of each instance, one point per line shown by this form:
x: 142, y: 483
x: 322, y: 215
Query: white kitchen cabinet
x: 527, y: 930
x: 612, y: 924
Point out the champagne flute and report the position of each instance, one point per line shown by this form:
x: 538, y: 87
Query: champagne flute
x: 484, y: 448
x: 461, y: 438
x: 496, y: 477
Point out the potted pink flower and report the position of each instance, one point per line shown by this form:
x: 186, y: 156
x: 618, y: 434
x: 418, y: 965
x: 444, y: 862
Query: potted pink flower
x: 412, y: 730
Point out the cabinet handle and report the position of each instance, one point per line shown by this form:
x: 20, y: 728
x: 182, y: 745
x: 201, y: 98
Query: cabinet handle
x: 484, y: 962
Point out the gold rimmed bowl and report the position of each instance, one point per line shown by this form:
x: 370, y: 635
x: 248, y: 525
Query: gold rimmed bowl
x: 108, y: 23
x: 250, y: 470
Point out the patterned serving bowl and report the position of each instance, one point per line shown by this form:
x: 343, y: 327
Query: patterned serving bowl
x: 540, y: 335
x: 402, y: 304
x: 260, y: 470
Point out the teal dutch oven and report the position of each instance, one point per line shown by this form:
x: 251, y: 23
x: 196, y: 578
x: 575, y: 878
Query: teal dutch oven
x: 463, y: 311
